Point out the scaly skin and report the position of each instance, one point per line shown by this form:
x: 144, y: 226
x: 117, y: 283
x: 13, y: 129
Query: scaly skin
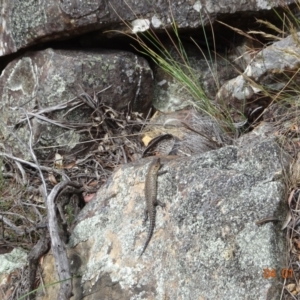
x: 151, y: 198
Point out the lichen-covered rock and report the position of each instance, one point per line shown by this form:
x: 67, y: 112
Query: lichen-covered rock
x: 206, y: 244
x: 272, y: 69
x: 24, y: 23
x: 10, y: 261
x: 9, y: 265
x: 47, y: 81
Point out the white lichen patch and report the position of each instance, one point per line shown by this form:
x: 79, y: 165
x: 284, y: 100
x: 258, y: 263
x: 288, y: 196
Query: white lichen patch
x: 140, y: 25
x: 13, y: 260
x: 58, y: 88
x: 262, y: 4
x: 210, y: 7
x: 3, y: 44
x: 23, y: 77
x: 248, y: 71
x: 197, y: 6
x: 156, y: 22
x: 228, y: 253
x: 162, y: 82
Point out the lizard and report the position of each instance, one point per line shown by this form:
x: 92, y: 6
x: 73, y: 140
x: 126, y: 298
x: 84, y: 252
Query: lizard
x: 151, y: 198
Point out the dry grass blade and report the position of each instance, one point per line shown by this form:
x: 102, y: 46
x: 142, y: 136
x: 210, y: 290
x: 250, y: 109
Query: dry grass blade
x: 266, y: 35
x: 239, y: 31
x: 33, y: 165
x: 271, y: 26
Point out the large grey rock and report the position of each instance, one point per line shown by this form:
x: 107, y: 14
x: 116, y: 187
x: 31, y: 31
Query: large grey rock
x: 41, y: 80
x: 273, y: 69
x: 206, y: 244
x: 24, y: 23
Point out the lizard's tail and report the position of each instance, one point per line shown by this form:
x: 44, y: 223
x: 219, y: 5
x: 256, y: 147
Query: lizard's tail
x: 150, y: 232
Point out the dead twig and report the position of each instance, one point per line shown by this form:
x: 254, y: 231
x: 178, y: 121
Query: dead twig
x: 57, y: 245
x: 33, y: 165
x: 38, y: 250
x: 59, y: 251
